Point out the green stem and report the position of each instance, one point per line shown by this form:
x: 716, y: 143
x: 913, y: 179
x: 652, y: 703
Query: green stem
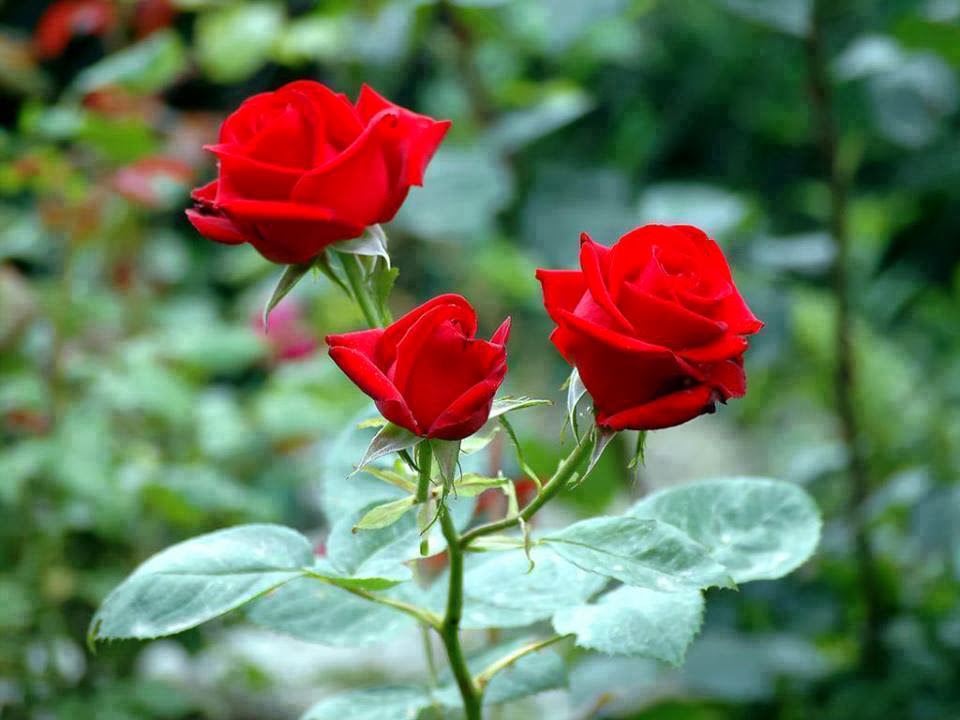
x: 450, y: 628
x: 484, y: 678
x: 559, y: 480
x: 845, y: 377
x: 425, y: 464
x: 361, y: 293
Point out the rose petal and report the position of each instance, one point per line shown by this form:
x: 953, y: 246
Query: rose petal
x: 355, y: 182
x: 246, y: 178
x: 562, y: 289
x: 387, y: 351
x: 596, y: 283
x: 502, y: 333
x: 218, y: 228
x: 667, y: 411
x: 729, y: 378
x: 666, y: 323
x: 724, y: 348
x: 369, y: 378
x: 469, y: 412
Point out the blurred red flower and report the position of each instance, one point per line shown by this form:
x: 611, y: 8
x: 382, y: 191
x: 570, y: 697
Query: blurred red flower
x: 66, y: 19
x: 153, y: 182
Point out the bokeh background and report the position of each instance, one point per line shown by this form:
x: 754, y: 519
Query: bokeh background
x: 140, y: 402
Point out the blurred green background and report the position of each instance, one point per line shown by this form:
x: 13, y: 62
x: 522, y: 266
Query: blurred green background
x: 140, y: 404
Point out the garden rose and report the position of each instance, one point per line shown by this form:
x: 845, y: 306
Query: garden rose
x: 302, y: 167
x: 427, y: 372
x: 66, y: 19
x: 654, y: 325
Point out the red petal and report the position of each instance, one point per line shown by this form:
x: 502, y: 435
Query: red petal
x: 502, y: 333
x: 374, y: 383
x: 387, y: 354
x: 562, y: 289
x: 218, y: 228
x: 723, y: 348
x: 243, y: 177
x: 355, y: 183
x: 666, y: 323
x: 470, y: 411
x: 667, y: 411
x: 596, y: 283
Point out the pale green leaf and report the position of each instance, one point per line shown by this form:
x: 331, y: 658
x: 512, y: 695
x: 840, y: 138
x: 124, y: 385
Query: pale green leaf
x: 386, y: 703
x: 500, y: 589
x: 381, y: 516
x: 234, y: 42
x: 644, y: 553
x: 144, y: 67
x: 759, y: 529
x: 372, y: 243
x: 503, y: 405
x: 312, y: 610
x: 391, y: 438
x: 636, y: 621
x: 292, y: 274
x: 200, y: 579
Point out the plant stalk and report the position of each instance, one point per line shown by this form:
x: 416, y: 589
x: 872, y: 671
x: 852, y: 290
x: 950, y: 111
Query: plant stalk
x: 361, y: 293
x: 556, y: 483
x: 450, y: 628
x: 845, y: 371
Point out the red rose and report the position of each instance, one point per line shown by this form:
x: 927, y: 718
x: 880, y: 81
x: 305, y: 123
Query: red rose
x: 654, y: 325
x: 427, y: 372
x: 302, y: 167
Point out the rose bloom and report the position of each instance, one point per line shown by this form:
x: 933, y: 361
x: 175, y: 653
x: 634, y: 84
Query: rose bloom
x: 654, y: 325
x: 427, y: 371
x: 303, y: 167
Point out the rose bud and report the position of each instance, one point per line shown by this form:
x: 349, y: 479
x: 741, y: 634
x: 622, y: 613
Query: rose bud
x: 654, y: 325
x: 302, y: 168
x: 427, y: 372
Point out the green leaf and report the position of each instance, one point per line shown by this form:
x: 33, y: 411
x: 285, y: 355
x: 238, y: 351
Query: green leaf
x: 518, y: 449
x: 500, y: 589
x: 437, y: 211
x: 602, y: 436
x: 639, y: 453
x: 315, y: 611
x: 534, y: 673
x: 515, y: 129
x: 576, y: 391
x: 759, y: 529
x: 387, y: 703
x: 447, y: 455
x: 477, y: 442
x: 644, y: 553
x: 391, y: 438
x: 473, y: 484
x: 381, y: 516
x: 375, y: 558
x: 396, y: 477
x: 503, y: 405
x: 144, y: 67
x: 323, y: 264
x: 292, y: 274
x: 200, y: 579
x: 234, y: 42
x: 789, y: 16
x: 373, y: 243
x: 636, y: 621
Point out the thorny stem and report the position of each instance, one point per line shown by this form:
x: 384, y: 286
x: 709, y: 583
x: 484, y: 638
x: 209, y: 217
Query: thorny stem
x: 450, y: 628
x: 845, y: 372
x: 556, y: 483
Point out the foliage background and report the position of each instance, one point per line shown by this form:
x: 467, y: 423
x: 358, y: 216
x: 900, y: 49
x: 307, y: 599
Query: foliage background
x: 140, y: 404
